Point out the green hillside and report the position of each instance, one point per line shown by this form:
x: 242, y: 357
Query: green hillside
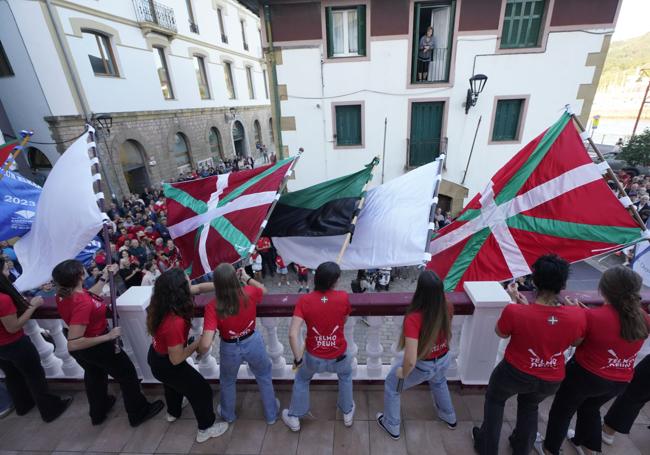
x: 624, y: 59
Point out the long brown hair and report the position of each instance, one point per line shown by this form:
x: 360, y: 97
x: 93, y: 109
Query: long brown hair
x: 622, y: 289
x: 171, y: 294
x: 429, y: 299
x: 66, y: 276
x: 6, y: 287
x: 228, y: 290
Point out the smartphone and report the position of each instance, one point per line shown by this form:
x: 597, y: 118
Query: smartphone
x: 400, y: 385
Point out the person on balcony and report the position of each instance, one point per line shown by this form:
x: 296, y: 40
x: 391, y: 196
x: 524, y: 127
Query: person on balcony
x: 19, y: 359
x: 233, y: 313
x: 533, y: 365
x: 603, y: 363
x: 325, y: 312
x: 169, y: 318
x: 425, y: 340
x: 92, y: 345
x: 425, y: 54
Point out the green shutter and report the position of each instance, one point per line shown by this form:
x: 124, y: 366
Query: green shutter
x: 361, y: 30
x: 348, y: 125
x: 506, y: 120
x: 330, y: 38
x: 522, y: 23
x: 426, y: 129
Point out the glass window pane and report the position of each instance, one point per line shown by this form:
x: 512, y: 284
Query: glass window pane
x: 215, y: 142
x: 249, y: 78
x: 106, y: 50
x: 227, y: 69
x: 5, y: 66
x: 201, y: 77
x: 180, y: 150
x: 353, y: 43
x: 338, y: 38
x: 163, y: 73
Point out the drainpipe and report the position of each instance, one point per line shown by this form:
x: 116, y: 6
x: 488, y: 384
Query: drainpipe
x: 275, y: 95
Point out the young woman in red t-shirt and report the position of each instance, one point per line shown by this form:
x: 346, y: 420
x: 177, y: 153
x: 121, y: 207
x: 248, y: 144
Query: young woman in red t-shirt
x: 324, y: 311
x: 603, y: 363
x: 90, y: 342
x: 169, y: 318
x: 233, y: 313
x: 19, y: 359
x: 425, y: 340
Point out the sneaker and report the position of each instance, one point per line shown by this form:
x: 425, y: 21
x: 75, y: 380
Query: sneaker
x: 292, y: 422
x: 170, y: 418
x: 608, y: 439
x: 380, y: 422
x: 216, y: 430
x: 451, y: 426
x: 7, y: 411
x: 538, y: 445
x: 152, y: 409
x: 277, y: 404
x: 348, y: 418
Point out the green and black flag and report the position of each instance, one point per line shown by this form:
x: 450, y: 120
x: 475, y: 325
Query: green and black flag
x: 325, y: 209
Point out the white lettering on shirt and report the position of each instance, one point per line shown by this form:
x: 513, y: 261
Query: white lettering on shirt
x: 617, y: 363
x: 246, y: 331
x: 538, y: 362
x: 325, y: 341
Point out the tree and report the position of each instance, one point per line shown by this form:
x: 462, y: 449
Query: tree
x: 637, y: 151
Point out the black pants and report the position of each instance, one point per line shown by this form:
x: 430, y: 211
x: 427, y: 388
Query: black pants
x: 505, y: 382
x: 626, y: 407
x: 98, y: 363
x: 26, y: 381
x: 268, y: 263
x: 183, y: 381
x: 582, y: 392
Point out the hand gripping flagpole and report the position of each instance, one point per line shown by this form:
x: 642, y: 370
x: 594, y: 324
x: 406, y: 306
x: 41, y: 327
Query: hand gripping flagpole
x: 97, y: 177
x: 26, y: 135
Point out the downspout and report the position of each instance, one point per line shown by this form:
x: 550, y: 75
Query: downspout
x: 275, y: 94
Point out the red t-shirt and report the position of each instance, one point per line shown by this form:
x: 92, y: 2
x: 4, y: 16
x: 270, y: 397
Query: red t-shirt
x: 325, y: 315
x: 172, y: 331
x: 238, y: 325
x: 84, y: 308
x: 539, y: 335
x: 603, y: 352
x: 263, y: 244
x: 302, y: 270
x: 412, y: 326
x: 279, y: 262
x: 7, y: 308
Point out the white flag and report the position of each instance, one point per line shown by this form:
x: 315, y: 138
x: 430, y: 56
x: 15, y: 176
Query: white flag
x: 67, y: 217
x: 391, y: 230
x: 641, y: 261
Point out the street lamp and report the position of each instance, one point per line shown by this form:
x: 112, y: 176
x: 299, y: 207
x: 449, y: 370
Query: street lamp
x: 105, y: 122
x: 476, y: 84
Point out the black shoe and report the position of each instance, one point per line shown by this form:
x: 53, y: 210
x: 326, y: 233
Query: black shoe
x: 110, y: 402
x: 152, y: 409
x: 475, y: 434
x: 380, y: 422
x: 65, y: 404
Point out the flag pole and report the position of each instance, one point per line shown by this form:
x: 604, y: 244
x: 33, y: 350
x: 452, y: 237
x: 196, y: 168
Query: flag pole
x: 353, y: 223
x: 96, y: 170
x: 26, y: 135
x: 434, y: 205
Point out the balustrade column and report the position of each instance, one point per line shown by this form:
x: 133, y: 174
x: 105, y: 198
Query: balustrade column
x: 374, y: 349
x: 51, y: 364
x: 353, y: 349
x: 398, y: 321
x: 274, y: 348
x: 454, y: 347
x: 70, y: 367
x: 132, y: 307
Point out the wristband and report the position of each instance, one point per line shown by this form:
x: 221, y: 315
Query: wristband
x: 249, y: 280
x: 297, y: 363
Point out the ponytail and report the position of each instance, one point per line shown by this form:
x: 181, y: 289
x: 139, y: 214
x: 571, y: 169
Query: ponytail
x: 6, y: 287
x: 621, y: 287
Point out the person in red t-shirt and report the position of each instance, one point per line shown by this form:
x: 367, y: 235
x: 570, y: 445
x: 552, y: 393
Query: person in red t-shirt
x: 169, y: 318
x: 533, y: 365
x: 282, y: 270
x: 233, y: 313
x: 265, y: 248
x: 603, y: 363
x: 19, y: 359
x: 303, y: 278
x: 325, y: 312
x: 90, y: 342
x: 425, y: 340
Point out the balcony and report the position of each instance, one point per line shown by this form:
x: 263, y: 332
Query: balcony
x: 155, y: 17
x: 422, y: 151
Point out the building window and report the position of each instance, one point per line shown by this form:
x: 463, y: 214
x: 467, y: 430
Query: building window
x: 163, y: 73
x: 100, y: 54
x: 249, y: 79
x: 522, y: 24
x: 5, y: 66
x: 190, y: 14
x: 507, y: 120
x: 224, y: 37
x: 266, y: 85
x: 216, y: 149
x: 349, y: 125
x: 433, y: 30
x: 230, y: 82
x: 346, y: 31
x: 181, y: 151
x: 243, y: 34
x: 202, y: 77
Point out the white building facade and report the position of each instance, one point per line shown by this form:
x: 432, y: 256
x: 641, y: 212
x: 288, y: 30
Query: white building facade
x: 183, y: 80
x: 347, y: 68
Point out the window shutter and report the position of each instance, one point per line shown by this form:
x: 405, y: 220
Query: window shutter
x: 348, y: 125
x: 330, y: 38
x: 506, y: 120
x: 361, y: 29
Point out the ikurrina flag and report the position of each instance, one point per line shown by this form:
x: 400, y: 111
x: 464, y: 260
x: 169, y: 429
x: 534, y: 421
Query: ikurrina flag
x: 549, y: 198
x: 217, y: 219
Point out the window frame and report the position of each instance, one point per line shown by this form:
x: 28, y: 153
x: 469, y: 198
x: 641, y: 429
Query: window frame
x: 162, y: 55
x: 346, y: 5
x: 249, y: 81
x: 5, y: 64
x: 194, y: 27
x: 222, y: 26
x: 362, y: 115
x: 521, y: 123
x: 229, y: 76
x: 543, y: 32
x: 242, y: 24
x: 220, y: 152
x: 266, y: 84
x: 109, y: 45
x: 203, y: 71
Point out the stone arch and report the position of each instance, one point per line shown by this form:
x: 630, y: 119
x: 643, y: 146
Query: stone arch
x: 151, y: 162
x: 171, y: 142
x: 239, y: 138
x: 215, y: 144
x: 39, y: 164
x: 133, y: 161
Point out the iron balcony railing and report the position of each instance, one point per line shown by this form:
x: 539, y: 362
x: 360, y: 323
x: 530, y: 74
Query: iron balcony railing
x: 435, y: 70
x: 153, y: 12
x: 421, y: 152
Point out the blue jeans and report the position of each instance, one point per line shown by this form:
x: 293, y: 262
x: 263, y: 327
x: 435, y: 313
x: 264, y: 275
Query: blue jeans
x: 312, y: 365
x: 431, y: 371
x: 5, y: 399
x: 231, y: 355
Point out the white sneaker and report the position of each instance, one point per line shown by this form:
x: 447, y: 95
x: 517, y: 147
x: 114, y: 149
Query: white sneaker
x: 539, y: 444
x: 292, y: 422
x: 349, y: 417
x: 608, y: 439
x: 277, y: 403
x: 170, y: 418
x: 216, y: 430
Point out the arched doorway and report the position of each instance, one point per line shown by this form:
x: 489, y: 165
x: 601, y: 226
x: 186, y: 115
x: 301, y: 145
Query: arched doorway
x: 216, y: 147
x: 238, y: 137
x: 181, y: 152
x: 258, y: 133
x: 39, y: 165
x: 133, y: 166
x: 271, y: 129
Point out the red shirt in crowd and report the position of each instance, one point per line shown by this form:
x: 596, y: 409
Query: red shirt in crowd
x: 302, y: 270
x: 172, y: 331
x: 7, y: 308
x: 325, y: 314
x: 84, y: 308
x: 238, y: 325
x: 413, y: 325
x: 263, y: 244
x: 539, y: 335
x: 603, y: 352
x: 279, y: 262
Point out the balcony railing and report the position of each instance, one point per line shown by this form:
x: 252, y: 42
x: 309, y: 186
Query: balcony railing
x: 420, y: 152
x: 372, y: 343
x: 437, y: 70
x: 153, y: 13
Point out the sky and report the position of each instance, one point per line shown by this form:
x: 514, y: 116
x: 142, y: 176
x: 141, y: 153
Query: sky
x: 633, y: 19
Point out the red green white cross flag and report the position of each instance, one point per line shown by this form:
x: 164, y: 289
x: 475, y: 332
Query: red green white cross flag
x: 549, y: 198
x: 217, y: 219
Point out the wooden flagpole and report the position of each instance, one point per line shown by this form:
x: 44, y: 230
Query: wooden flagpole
x: 26, y: 135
